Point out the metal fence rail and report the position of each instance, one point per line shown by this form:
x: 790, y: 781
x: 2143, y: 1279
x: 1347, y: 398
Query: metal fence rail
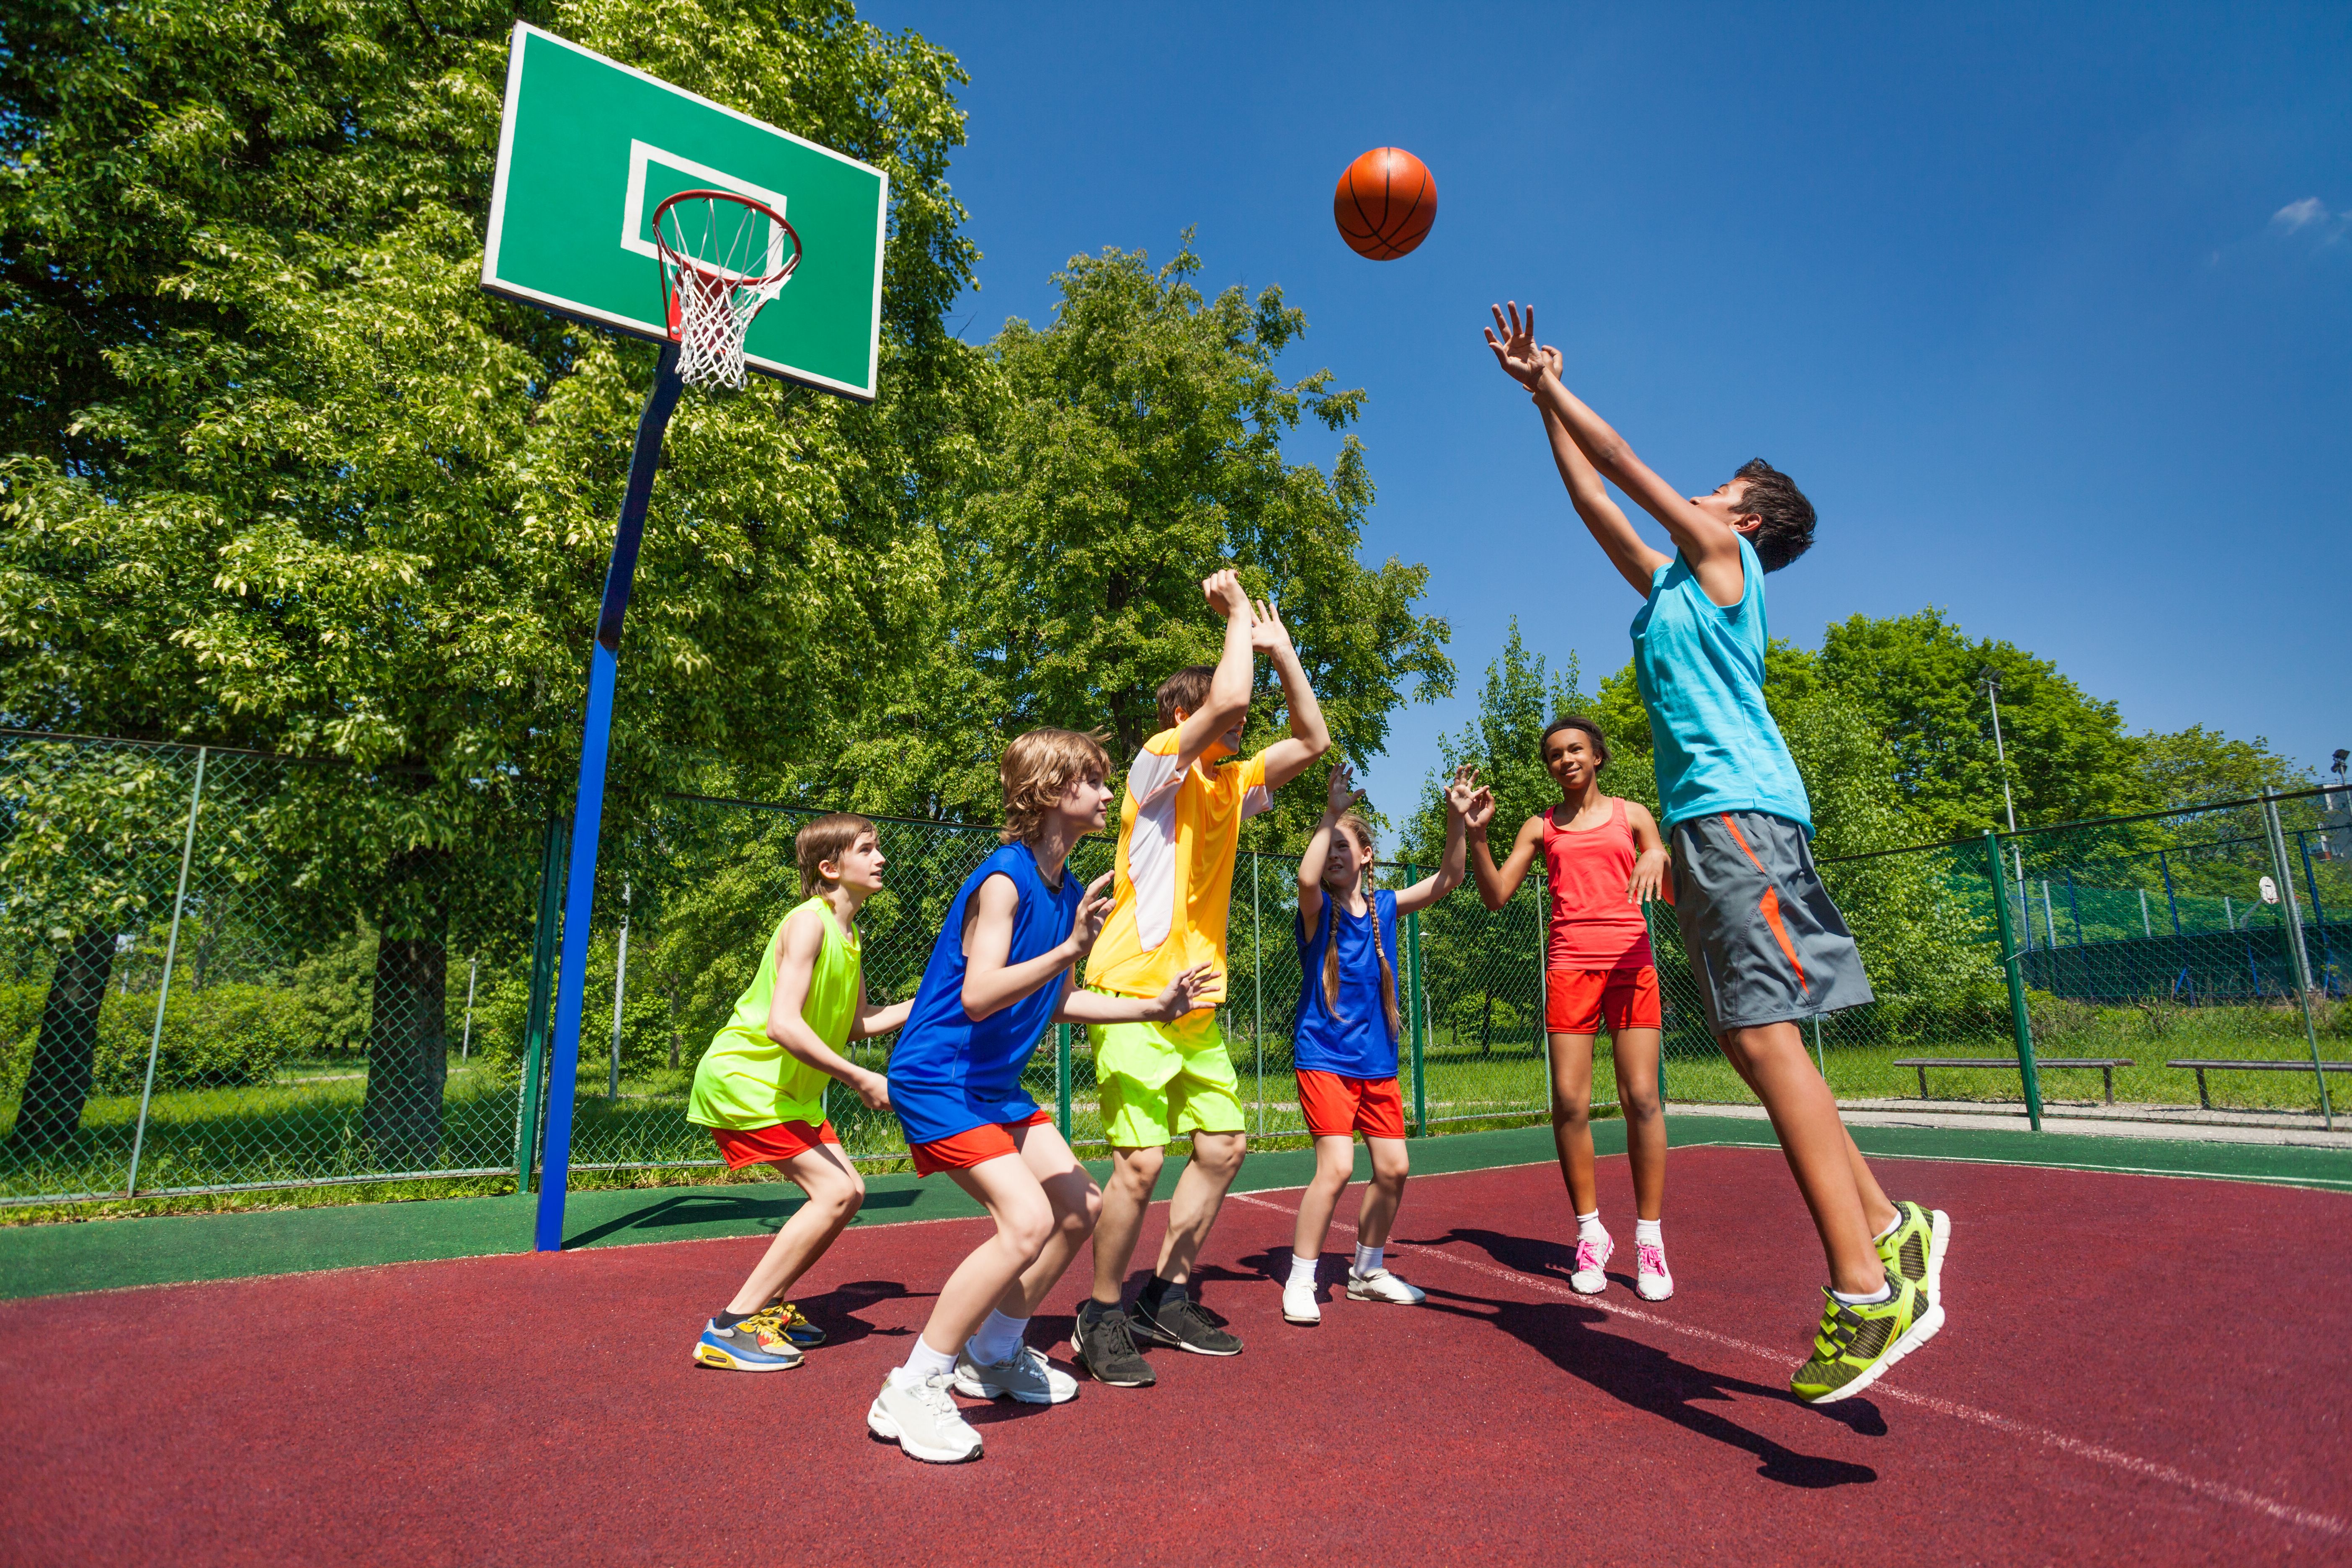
x: 200, y: 991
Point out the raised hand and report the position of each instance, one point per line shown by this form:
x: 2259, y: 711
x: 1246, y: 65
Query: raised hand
x: 1184, y: 993
x: 1267, y: 633
x: 1553, y: 361
x: 1478, y: 810
x: 1341, y: 792
x: 1515, y: 348
x: 1092, y: 909
x: 1224, y: 591
x: 1462, y: 790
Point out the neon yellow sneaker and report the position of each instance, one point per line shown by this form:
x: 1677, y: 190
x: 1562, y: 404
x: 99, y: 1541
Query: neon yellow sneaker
x: 1914, y: 1248
x: 786, y: 1319
x: 1855, y: 1344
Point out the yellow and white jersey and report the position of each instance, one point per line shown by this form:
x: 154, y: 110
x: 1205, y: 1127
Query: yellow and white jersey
x: 1178, y: 832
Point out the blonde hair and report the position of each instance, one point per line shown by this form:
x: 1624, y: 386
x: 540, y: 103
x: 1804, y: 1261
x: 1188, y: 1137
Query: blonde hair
x: 1037, y: 768
x: 1361, y: 831
x: 829, y: 838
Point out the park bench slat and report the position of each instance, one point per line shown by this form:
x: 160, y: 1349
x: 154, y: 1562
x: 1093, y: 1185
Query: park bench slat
x: 2107, y: 1067
x: 2201, y: 1065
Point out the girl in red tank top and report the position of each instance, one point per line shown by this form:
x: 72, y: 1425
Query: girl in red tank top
x: 1604, y: 860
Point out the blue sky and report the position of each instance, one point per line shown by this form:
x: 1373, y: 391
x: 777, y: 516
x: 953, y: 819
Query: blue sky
x: 2049, y: 309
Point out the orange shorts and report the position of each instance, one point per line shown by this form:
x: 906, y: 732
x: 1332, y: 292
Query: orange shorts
x: 1338, y: 1106
x: 781, y: 1141
x: 973, y: 1146
x: 1578, y: 1001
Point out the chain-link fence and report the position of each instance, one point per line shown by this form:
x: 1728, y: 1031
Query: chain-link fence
x: 209, y: 980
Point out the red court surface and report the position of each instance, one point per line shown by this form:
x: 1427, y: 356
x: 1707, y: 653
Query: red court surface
x: 2135, y: 1370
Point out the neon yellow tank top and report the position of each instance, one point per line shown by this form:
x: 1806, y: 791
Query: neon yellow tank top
x: 746, y: 1081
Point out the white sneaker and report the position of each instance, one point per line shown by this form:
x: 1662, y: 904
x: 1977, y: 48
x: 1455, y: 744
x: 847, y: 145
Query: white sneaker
x: 1380, y: 1285
x: 917, y: 1414
x: 1591, y: 1258
x: 1651, y: 1279
x: 1024, y: 1377
x: 1300, y: 1306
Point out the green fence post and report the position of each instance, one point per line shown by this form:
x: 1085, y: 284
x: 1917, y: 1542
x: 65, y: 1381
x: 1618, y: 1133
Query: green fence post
x: 2021, y: 1022
x: 1420, y: 1088
x: 1062, y: 1080
x: 542, y: 983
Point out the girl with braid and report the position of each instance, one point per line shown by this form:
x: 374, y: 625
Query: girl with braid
x: 1345, y: 1038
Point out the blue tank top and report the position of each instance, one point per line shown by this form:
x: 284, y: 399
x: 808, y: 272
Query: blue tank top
x: 1357, y: 1044
x: 1700, y: 667
x: 947, y: 1074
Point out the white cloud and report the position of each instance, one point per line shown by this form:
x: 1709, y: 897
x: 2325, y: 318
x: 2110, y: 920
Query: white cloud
x: 2298, y: 215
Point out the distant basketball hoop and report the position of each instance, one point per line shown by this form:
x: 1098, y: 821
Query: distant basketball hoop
x: 722, y: 260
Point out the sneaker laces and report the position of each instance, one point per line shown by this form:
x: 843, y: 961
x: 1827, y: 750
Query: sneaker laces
x: 1651, y: 1258
x: 1591, y: 1256
x: 1114, y: 1324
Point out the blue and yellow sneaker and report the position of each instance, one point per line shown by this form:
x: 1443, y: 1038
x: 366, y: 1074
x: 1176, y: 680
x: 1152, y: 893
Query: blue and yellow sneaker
x: 1855, y: 1344
x: 750, y: 1346
x: 1914, y: 1248
x: 786, y: 1319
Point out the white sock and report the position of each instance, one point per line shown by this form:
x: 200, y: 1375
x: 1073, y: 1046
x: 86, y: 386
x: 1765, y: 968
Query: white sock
x: 1649, y: 1233
x: 1588, y: 1227
x: 1369, y: 1258
x: 1869, y: 1298
x: 1892, y: 1226
x: 998, y: 1338
x: 924, y: 1362
x: 1302, y: 1269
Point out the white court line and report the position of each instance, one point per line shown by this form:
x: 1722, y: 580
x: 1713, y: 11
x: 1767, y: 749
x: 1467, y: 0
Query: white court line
x: 2286, y: 1513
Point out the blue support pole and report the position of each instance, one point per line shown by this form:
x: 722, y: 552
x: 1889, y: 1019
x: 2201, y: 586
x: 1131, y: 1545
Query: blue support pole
x: 588, y: 809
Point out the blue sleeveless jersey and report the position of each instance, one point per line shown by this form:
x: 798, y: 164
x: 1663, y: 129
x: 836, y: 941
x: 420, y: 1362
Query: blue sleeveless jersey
x: 947, y: 1074
x: 1358, y: 1043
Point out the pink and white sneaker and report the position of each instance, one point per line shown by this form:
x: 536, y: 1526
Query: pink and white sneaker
x: 1591, y: 1256
x: 1651, y: 1278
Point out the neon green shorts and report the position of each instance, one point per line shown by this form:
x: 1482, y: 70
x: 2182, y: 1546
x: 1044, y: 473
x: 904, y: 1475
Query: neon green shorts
x: 1158, y: 1081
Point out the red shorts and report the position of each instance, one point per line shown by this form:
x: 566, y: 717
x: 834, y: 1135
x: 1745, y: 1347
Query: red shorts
x: 973, y: 1146
x: 1338, y: 1107
x: 781, y: 1141
x: 1578, y: 1001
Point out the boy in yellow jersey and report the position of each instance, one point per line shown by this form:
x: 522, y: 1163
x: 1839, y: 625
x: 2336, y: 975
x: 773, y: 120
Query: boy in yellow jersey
x: 761, y: 1086
x: 1178, y: 827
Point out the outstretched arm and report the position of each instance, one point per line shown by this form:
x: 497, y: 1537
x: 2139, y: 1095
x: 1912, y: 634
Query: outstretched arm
x: 1459, y: 793
x: 1497, y: 883
x: 1309, y: 737
x: 1635, y: 561
x: 1706, y: 542
x: 1338, y: 796
x: 1186, y: 992
x: 1229, y: 689
x: 991, y: 984
x: 872, y: 1020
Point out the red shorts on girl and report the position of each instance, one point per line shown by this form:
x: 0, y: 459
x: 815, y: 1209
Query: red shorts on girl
x: 1338, y: 1107
x: 781, y: 1141
x: 974, y: 1146
x: 1578, y: 1001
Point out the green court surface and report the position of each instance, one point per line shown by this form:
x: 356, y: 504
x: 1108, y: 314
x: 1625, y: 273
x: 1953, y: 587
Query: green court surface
x: 66, y: 1257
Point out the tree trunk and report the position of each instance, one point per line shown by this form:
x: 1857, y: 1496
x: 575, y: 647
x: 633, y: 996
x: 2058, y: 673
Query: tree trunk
x: 408, y: 1053
x: 56, y: 1085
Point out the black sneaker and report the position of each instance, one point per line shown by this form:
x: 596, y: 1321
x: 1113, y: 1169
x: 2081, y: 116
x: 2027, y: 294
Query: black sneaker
x: 1103, y: 1345
x: 1179, y: 1322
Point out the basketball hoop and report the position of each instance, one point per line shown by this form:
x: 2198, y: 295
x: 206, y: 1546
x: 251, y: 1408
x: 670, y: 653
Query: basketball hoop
x: 722, y: 260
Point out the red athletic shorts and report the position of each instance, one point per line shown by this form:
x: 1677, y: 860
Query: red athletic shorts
x: 971, y: 1147
x: 1578, y: 1001
x: 781, y: 1141
x: 1338, y: 1106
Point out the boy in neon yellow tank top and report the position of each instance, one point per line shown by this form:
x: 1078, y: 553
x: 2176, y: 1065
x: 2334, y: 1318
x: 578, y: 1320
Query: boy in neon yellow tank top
x: 761, y: 1086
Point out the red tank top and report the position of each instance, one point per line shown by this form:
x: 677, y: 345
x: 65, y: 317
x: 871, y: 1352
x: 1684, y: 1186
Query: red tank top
x: 1594, y: 926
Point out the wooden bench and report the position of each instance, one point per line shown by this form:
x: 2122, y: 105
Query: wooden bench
x: 2201, y: 1065
x: 2107, y: 1065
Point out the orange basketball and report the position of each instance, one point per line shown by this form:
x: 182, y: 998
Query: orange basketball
x: 1385, y: 203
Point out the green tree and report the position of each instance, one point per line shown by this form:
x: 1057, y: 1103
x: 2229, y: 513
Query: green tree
x: 2195, y: 766
x: 278, y: 473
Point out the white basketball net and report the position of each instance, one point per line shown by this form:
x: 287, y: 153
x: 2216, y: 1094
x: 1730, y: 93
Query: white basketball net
x: 714, y: 313
x: 723, y: 258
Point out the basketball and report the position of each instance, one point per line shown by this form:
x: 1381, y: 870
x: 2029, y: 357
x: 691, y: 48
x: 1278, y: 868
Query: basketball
x: 1385, y: 203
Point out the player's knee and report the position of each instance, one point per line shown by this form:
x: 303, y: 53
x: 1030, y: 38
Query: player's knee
x: 1026, y: 1226
x: 1390, y: 1168
x: 1639, y: 1101
x: 1138, y: 1173
x: 1219, y: 1156
x: 1570, y: 1109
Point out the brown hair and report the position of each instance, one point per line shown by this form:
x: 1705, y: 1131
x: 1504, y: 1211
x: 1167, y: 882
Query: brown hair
x: 1037, y: 767
x: 1574, y: 721
x: 1787, y: 530
x: 1361, y: 831
x: 1187, y: 689
x: 827, y: 838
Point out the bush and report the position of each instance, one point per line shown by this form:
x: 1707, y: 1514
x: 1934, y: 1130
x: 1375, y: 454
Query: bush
x: 222, y: 1036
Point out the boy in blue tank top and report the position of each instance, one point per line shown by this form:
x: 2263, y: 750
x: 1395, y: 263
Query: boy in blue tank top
x: 1767, y: 946
x: 1344, y: 1037
x: 999, y: 972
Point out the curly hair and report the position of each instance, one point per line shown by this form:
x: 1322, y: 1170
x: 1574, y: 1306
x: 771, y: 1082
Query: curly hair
x: 1037, y: 768
x: 1575, y: 721
x: 1787, y: 530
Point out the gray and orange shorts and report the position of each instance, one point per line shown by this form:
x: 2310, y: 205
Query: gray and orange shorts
x: 1765, y: 943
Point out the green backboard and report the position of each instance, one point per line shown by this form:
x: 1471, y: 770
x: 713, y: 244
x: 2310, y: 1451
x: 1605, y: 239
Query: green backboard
x: 589, y: 147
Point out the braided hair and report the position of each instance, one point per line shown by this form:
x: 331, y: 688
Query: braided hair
x: 1362, y: 832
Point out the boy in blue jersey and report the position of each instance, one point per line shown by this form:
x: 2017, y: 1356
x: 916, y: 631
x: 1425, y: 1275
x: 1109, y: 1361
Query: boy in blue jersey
x: 999, y: 972
x: 1767, y: 946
